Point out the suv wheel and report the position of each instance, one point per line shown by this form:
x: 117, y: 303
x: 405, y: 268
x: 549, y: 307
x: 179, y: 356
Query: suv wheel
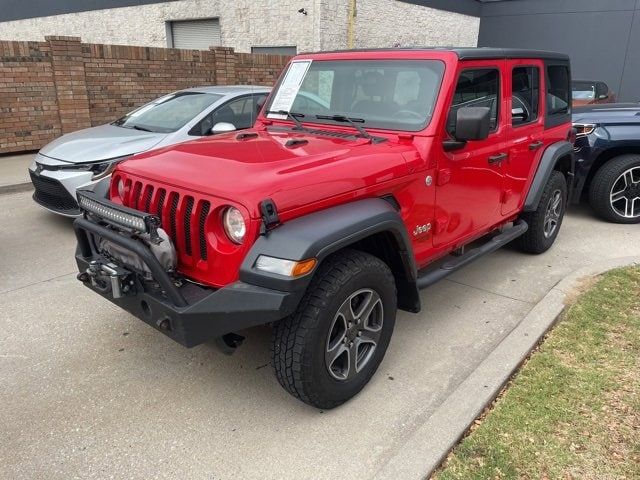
x: 615, y: 190
x: 545, y: 222
x: 327, y: 351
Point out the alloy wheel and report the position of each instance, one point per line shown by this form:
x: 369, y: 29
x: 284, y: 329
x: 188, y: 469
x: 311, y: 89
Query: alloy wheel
x: 553, y: 213
x: 625, y: 194
x: 354, y: 334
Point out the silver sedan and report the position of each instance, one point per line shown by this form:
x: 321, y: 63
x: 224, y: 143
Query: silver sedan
x: 87, y: 157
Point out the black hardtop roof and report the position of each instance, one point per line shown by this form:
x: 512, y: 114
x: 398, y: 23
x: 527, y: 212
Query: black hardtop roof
x: 471, y: 53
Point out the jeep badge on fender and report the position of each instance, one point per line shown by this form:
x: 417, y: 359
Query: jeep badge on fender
x: 319, y: 220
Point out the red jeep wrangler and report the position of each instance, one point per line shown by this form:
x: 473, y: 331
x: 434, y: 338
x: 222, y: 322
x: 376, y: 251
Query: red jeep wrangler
x: 368, y: 176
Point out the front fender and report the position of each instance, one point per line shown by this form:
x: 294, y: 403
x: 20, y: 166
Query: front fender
x: 322, y: 233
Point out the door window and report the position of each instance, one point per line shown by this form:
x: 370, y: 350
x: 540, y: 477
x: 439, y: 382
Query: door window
x: 476, y: 88
x: 241, y: 113
x: 525, y: 95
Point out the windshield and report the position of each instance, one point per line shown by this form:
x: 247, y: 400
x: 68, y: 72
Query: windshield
x: 387, y: 94
x: 169, y: 113
x: 583, y: 91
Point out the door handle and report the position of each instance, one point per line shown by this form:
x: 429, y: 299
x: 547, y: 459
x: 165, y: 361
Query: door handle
x: 493, y: 159
x: 536, y: 145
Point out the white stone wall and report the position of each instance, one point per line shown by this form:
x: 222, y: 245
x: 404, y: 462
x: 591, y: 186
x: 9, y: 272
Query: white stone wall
x: 243, y: 23
x: 387, y: 23
x: 247, y: 23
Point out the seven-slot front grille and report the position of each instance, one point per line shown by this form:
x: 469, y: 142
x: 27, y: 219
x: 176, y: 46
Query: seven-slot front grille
x: 184, y: 217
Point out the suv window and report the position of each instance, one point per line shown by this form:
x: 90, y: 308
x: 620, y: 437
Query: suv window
x: 476, y: 88
x: 557, y: 90
x: 525, y: 95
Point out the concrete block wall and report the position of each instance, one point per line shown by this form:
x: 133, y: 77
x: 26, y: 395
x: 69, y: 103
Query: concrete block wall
x: 243, y: 23
x: 388, y: 23
x: 247, y: 23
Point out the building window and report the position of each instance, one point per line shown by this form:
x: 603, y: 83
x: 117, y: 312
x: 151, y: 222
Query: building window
x: 194, y: 34
x: 286, y: 50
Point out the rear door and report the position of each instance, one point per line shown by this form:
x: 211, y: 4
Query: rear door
x: 469, y: 180
x: 524, y: 131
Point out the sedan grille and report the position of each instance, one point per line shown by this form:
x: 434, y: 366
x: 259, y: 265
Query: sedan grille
x: 51, y: 194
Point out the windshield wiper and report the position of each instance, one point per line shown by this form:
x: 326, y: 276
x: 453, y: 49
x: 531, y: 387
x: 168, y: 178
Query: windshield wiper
x: 144, y: 129
x: 352, y: 121
x: 292, y: 115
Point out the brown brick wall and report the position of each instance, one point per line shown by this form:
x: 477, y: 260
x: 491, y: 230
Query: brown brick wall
x: 61, y: 85
x: 28, y: 102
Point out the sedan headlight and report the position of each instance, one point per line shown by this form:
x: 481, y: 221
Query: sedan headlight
x: 100, y: 169
x: 234, y: 225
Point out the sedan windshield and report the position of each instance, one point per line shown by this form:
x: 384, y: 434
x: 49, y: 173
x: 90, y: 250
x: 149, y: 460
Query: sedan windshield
x: 387, y: 94
x: 169, y: 113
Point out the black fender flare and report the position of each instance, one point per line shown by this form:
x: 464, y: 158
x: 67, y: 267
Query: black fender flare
x: 548, y: 162
x: 319, y: 234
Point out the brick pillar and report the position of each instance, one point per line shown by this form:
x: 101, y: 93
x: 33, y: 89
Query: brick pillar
x: 225, y: 65
x: 67, y: 64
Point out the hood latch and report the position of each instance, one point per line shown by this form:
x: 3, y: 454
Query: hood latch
x: 270, y: 218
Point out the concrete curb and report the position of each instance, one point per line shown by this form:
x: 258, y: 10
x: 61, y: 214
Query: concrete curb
x: 18, y: 187
x: 426, y: 448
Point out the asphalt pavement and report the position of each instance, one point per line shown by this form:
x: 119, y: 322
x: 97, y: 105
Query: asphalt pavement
x: 88, y: 391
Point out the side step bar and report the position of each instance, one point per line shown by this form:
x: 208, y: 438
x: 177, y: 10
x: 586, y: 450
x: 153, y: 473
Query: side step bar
x: 508, y: 235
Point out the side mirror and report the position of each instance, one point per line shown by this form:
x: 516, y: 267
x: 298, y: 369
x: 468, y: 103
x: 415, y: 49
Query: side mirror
x: 602, y: 91
x: 473, y: 123
x: 222, y: 127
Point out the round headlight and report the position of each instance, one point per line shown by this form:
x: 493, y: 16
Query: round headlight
x: 121, y: 188
x: 234, y: 225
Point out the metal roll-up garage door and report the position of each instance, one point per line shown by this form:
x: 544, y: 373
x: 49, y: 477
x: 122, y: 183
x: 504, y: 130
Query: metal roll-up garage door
x: 195, y: 34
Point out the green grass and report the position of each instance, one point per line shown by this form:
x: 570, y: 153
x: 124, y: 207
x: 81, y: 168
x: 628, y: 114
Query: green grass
x: 573, y: 410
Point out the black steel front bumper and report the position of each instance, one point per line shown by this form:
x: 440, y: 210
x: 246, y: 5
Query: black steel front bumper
x: 186, y: 312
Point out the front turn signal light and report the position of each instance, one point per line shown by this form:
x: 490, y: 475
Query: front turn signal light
x: 304, y: 267
x: 288, y: 268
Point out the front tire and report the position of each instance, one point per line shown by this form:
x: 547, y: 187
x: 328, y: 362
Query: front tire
x: 614, y: 193
x: 545, y: 222
x: 328, y: 350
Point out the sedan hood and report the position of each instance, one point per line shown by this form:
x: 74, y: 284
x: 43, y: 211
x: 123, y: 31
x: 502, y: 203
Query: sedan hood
x: 100, y: 143
x: 293, y: 169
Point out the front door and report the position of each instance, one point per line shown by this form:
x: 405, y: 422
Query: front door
x: 469, y: 180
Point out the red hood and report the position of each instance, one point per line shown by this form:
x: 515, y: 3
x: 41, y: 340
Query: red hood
x: 254, y: 168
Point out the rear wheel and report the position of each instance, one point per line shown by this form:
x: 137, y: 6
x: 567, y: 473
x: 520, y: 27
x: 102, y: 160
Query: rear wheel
x: 327, y: 351
x: 545, y: 222
x: 615, y: 190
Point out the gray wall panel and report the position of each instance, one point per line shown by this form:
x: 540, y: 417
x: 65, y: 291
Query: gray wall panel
x: 529, y: 7
x: 602, y: 38
x: 630, y: 90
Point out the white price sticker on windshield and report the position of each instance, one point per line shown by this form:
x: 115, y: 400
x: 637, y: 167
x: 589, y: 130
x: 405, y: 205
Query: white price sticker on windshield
x: 289, y: 87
